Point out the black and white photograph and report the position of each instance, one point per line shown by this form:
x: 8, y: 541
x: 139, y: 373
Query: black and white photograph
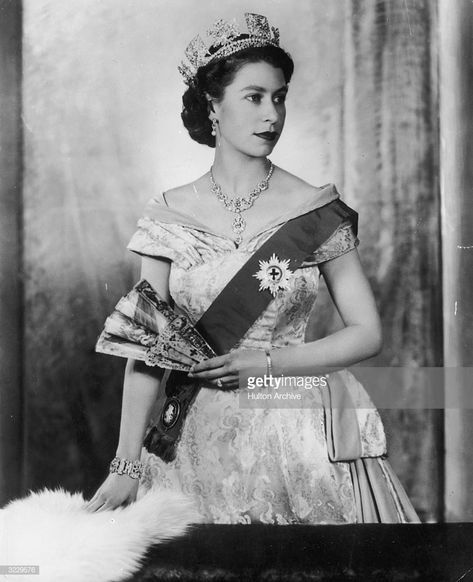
x: 236, y: 309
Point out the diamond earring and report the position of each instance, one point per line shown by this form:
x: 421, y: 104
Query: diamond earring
x: 214, y: 126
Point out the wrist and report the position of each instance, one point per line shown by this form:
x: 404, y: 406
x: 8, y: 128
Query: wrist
x: 129, y: 452
x: 132, y: 468
x: 269, y: 362
x: 276, y: 364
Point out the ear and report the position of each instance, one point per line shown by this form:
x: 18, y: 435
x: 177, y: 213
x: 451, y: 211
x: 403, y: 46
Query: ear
x: 210, y: 105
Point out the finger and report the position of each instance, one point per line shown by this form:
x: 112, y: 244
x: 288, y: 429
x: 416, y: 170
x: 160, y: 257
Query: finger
x: 94, y: 504
x: 210, y: 375
x: 94, y: 497
x: 209, y: 364
x: 226, y: 382
x: 231, y: 385
x: 90, y: 504
x: 105, y: 507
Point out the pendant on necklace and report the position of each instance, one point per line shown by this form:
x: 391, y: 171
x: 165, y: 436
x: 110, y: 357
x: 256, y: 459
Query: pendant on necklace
x: 238, y: 226
x: 240, y: 204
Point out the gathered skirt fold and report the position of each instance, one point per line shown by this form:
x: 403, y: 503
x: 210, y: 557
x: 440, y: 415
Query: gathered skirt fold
x: 379, y: 495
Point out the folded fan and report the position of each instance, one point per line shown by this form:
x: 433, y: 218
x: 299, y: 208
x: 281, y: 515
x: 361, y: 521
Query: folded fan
x: 145, y: 327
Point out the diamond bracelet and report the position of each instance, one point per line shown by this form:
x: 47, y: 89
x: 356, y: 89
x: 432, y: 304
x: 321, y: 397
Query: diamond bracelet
x: 269, y: 363
x: 133, y: 469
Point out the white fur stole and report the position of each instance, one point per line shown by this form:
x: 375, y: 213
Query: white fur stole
x: 52, y: 530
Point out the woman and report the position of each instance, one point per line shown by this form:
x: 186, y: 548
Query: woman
x: 199, y: 245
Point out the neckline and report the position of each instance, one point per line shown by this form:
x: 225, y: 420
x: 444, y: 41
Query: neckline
x: 161, y: 211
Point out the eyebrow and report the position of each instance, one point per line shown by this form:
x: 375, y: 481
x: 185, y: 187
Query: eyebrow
x: 283, y: 89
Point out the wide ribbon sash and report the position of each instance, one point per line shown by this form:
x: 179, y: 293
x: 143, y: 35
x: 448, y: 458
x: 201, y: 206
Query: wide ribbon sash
x: 238, y: 306
x: 240, y: 303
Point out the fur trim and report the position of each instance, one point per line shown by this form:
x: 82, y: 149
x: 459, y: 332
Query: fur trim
x: 51, y: 529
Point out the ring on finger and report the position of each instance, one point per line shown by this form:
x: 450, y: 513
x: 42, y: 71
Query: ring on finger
x: 219, y: 383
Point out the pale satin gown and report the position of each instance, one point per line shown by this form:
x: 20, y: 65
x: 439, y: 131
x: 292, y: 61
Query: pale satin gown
x: 258, y: 465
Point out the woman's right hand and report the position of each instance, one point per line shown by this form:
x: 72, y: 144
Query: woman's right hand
x: 116, y: 490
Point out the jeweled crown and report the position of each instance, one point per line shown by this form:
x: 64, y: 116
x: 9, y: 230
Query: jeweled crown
x: 225, y: 39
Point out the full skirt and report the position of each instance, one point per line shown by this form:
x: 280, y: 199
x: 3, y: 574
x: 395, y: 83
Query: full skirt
x: 271, y: 465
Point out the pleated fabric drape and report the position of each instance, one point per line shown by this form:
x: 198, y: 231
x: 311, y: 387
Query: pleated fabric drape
x: 379, y: 495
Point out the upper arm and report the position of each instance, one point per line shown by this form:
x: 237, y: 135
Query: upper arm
x: 351, y: 291
x: 156, y: 272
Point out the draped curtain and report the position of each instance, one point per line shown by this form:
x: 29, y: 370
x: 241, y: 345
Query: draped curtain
x: 391, y: 171
x: 102, y: 135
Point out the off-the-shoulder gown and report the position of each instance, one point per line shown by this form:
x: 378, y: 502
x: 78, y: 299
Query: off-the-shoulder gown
x: 262, y: 465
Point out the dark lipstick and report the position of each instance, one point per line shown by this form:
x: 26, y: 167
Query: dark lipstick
x: 267, y: 135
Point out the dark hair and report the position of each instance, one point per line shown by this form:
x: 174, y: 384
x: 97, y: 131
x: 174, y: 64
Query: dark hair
x: 214, y: 77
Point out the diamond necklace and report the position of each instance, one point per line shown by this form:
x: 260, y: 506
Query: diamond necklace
x: 239, y: 204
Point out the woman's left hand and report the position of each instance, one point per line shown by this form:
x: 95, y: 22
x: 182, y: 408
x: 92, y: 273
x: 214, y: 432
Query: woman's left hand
x: 223, y: 371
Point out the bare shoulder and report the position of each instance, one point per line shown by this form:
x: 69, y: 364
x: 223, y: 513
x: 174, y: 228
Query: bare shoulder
x: 296, y: 187
x: 183, y: 197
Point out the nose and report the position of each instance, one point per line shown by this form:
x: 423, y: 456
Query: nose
x: 270, y: 112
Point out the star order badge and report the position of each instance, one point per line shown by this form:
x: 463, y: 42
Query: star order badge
x: 273, y: 274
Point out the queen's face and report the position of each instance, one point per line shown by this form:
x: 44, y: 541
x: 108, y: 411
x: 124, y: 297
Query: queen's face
x: 252, y: 110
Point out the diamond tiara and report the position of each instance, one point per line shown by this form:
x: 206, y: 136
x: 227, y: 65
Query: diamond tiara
x: 225, y: 39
